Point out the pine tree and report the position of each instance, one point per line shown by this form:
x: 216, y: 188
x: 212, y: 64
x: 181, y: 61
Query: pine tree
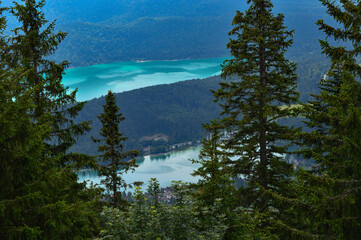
x: 21, y: 146
x: 30, y: 46
x: 116, y: 160
x: 38, y: 199
x: 332, y: 189
x: 216, y: 187
x: 214, y: 182
x: 261, y: 80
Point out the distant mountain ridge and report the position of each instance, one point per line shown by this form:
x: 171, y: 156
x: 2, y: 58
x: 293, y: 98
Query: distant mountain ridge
x: 121, y: 30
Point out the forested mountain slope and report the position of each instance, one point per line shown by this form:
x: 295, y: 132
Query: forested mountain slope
x: 175, y: 110
x: 117, y: 30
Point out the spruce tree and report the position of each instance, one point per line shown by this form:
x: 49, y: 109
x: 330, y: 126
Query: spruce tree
x: 214, y: 195
x: 332, y: 189
x: 215, y: 183
x: 114, y: 160
x: 21, y: 146
x: 38, y: 199
x: 260, y: 81
x: 30, y: 46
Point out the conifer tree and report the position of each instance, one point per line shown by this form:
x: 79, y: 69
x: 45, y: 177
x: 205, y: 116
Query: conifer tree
x: 214, y: 182
x: 38, y: 199
x: 216, y: 186
x: 332, y: 189
x: 30, y: 46
x: 21, y: 146
x: 261, y: 80
x: 116, y: 160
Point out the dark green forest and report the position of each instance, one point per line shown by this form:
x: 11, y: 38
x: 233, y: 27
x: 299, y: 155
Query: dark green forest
x: 175, y: 110
x: 122, y: 30
x: 250, y: 118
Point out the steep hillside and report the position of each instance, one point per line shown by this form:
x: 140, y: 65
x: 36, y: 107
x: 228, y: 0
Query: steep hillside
x: 175, y: 112
x: 117, y: 30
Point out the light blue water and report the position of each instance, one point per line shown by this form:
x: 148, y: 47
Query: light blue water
x: 166, y: 168
x: 95, y: 81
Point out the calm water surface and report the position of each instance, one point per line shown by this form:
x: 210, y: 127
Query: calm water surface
x: 166, y: 168
x: 95, y: 81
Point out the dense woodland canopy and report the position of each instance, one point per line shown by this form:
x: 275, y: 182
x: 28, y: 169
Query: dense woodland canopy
x: 122, y: 30
x: 249, y: 124
x: 157, y: 110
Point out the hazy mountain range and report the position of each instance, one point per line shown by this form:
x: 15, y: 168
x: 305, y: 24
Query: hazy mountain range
x: 117, y: 30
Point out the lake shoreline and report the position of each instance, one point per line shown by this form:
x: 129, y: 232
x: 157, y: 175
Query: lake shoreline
x: 144, y: 60
x: 174, y: 166
x: 154, y: 155
x: 172, y: 151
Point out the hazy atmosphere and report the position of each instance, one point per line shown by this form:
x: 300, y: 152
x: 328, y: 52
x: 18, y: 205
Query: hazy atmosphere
x: 180, y: 119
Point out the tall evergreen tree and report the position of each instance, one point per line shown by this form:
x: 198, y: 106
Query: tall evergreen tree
x: 38, y: 199
x: 30, y: 46
x: 215, y: 186
x: 21, y: 146
x: 117, y: 161
x: 261, y: 80
x: 332, y: 189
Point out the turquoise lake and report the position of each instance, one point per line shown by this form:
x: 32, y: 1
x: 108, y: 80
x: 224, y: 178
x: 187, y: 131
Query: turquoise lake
x: 95, y: 81
x: 166, y: 168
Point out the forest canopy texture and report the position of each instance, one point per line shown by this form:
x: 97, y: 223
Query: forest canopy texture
x: 247, y: 188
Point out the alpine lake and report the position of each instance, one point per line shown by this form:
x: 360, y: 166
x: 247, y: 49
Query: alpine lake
x: 174, y: 166
x: 95, y: 81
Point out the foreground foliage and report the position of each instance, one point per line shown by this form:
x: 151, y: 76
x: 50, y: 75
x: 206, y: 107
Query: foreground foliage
x: 332, y: 190
x: 40, y: 197
x: 146, y: 219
